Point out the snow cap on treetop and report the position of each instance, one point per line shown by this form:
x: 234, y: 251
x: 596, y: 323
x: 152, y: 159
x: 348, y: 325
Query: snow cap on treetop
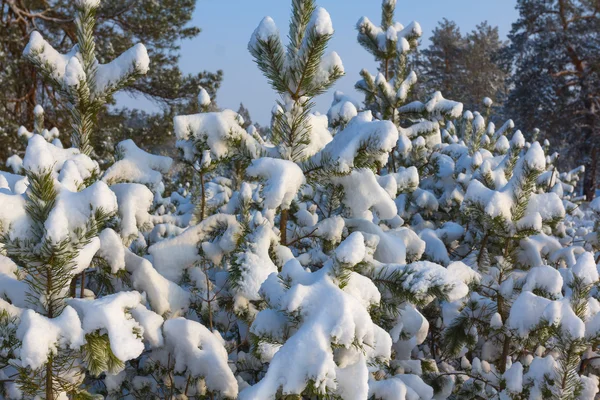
x: 321, y: 22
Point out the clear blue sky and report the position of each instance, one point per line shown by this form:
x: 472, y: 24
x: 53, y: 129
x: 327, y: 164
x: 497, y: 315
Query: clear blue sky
x: 227, y: 25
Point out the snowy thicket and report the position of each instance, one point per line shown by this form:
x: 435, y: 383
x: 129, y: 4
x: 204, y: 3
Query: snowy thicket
x: 399, y: 249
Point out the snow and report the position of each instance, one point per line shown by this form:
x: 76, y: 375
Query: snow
x: 331, y: 229
x: 437, y: 106
x: 112, y: 74
x: 379, y: 136
x: 496, y: 321
x: 318, y: 133
x: 255, y: 264
x: 351, y: 218
x: 73, y: 210
x: 392, y: 389
x: 88, y: 4
x: 561, y: 314
x: 203, y: 98
x: 416, y: 384
x: 15, y: 163
x: 282, y: 178
x: 463, y: 272
x: 343, y: 322
x: 329, y: 64
x: 265, y: 31
x: 134, y: 200
x: 514, y: 378
x: 38, y: 47
x: 151, y: 324
x: 41, y: 156
x: 83, y: 260
x: 74, y: 73
x: 535, y: 157
x: 11, y: 288
x: 40, y: 335
x: 548, y: 205
x: 201, y: 353
x: 165, y: 296
x: 137, y: 166
x: 352, y: 250
x: 589, y: 387
x: 320, y: 21
x: 172, y: 256
x: 526, y: 312
x: 109, y: 314
x: 343, y: 109
x: 546, y: 278
x: 518, y: 140
x: 424, y: 274
x: 502, y: 144
x: 14, y: 219
x: 435, y: 249
x: 585, y: 269
x: 362, y: 192
x: 112, y: 250
x: 215, y: 128
x: 406, y: 85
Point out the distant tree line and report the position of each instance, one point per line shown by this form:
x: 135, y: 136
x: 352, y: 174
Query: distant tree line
x: 546, y: 76
x: 120, y: 24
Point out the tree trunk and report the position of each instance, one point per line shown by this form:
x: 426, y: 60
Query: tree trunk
x: 283, y: 226
x: 589, y: 183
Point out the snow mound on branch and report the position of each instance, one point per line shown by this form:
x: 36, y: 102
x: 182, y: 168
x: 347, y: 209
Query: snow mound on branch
x: 37, y: 45
x: 343, y: 109
x: 14, y: 219
x: 320, y: 21
x: 172, y: 256
x: 216, y: 129
x: 164, y: 296
x: 73, y: 210
x: 255, y: 264
x: 352, y: 250
x: 203, y: 98
x: 112, y: 250
x: 201, y: 353
x: 110, y: 314
x: 135, y: 59
x: 263, y: 32
x: 362, y: 192
x: 361, y: 133
x: 40, y: 335
x: 283, y: 180
x: 134, y: 201
x: 137, y: 166
x: 68, y: 166
x: 526, y: 312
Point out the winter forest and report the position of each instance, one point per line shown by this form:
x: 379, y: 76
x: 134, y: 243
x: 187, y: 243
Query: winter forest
x: 437, y: 238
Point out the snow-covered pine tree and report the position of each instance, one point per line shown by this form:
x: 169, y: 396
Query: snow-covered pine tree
x: 289, y: 268
x: 61, y: 328
x: 265, y: 257
x: 512, y: 202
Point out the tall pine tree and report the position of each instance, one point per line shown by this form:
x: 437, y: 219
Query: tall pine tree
x: 555, y: 53
x: 464, y: 66
x: 161, y: 25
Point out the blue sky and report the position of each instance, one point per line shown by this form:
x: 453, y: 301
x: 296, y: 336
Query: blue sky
x: 227, y: 25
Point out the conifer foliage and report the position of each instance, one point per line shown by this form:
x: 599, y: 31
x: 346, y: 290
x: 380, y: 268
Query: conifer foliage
x: 399, y: 249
